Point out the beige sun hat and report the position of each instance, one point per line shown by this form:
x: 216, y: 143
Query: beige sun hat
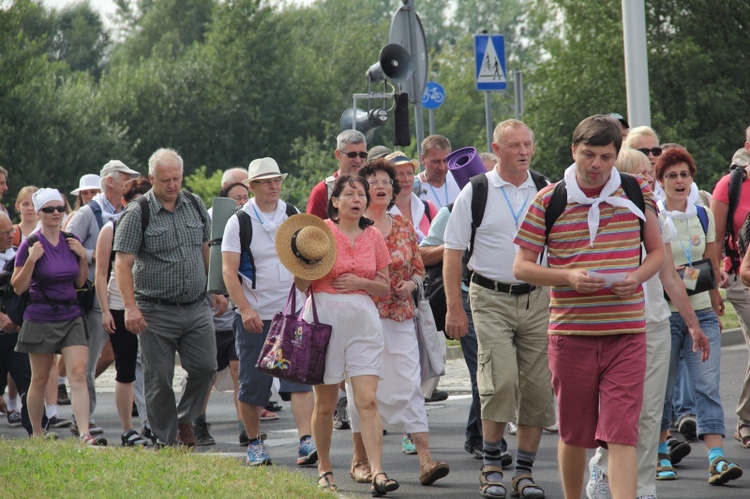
x: 399, y: 158
x: 263, y: 168
x: 306, y: 246
x: 741, y: 157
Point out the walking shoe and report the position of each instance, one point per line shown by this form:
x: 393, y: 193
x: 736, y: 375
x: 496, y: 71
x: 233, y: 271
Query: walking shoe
x: 245, y: 440
x: 512, y: 428
x: 506, y: 460
x: 268, y: 416
x: 307, y: 453
x: 552, y: 429
x: 257, y: 455
x: 58, y: 422
x: 687, y: 426
x: 14, y: 418
x: 273, y: 406
x: 598, y: 486
x: 202, y: 436
x: 677, y: 450
x: 62, y: 395
x: 475, y: 449
x: 185, y: 435
x: 148, y: 433
x: 341, y: 415
x: 407, y: 444
x: 131, y: 438
x: 93, y: 441
x: 437, y: 396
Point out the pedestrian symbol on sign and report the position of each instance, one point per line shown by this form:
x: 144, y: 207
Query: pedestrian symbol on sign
x: 492, y: 70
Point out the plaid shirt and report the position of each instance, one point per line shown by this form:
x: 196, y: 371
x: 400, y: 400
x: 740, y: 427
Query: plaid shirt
x: 169, y: 254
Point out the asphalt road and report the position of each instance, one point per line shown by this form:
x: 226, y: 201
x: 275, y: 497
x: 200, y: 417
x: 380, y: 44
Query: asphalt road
x: 447, y: 420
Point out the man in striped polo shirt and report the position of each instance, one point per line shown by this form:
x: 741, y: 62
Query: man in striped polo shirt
x: 597, y: 345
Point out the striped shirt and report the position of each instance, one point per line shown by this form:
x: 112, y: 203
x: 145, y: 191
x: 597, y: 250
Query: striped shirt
x: 169, y: 254
x: 616, y: 249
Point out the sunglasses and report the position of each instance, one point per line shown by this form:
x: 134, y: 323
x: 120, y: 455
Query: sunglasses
x: 655, y: 151
x: 352, y: 155
x: 52, y: 209
x: 674, y: 175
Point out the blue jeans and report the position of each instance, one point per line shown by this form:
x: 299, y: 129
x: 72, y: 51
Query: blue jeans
x: 469, y: 349
x: 682, y: 398
x: 704, y: 376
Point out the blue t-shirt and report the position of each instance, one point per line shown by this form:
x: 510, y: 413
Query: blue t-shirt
x: 55, y: 272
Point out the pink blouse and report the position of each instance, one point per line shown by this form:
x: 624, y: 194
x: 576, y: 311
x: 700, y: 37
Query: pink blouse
x: 364, y: 259
x: 405, y: 263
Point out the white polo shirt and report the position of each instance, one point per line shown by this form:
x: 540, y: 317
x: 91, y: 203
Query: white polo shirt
x: 440, y: 196
x: 506, y: 208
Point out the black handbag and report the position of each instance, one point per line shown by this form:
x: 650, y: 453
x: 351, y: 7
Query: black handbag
x: 706, y: 277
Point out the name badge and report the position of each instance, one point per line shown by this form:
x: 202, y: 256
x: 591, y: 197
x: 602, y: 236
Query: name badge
x: 690, y: 277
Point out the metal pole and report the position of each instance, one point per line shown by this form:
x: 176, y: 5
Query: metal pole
x: 354, y: 112
x: 488, y: 119
x: 636, y: 62
x: 518, y: 91
x: 432, y: 122
x: 417, y: 97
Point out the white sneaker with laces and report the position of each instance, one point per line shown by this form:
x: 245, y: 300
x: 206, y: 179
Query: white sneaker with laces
x: 598, y: 485
x: 512, y: 428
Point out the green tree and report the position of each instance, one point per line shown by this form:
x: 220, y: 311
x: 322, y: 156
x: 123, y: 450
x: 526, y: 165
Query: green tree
x: 79, y: 38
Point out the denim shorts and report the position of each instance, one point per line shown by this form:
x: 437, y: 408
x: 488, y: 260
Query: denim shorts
x: 704, y: 376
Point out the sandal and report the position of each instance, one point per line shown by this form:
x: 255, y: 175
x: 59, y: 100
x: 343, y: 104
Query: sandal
x: 360, y: 472
x: 382, y: 488
x: 743, y: 436
x: 526, y: 482
x: 328, y: 486
x: 93, y: 441
x: 729, y: 471
x: 664, y: 468
x: 485, y: 483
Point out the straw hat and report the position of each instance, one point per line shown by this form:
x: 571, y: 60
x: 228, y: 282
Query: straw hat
x: 263, y: 168
x: 306, y: 246
x: 398, y: 158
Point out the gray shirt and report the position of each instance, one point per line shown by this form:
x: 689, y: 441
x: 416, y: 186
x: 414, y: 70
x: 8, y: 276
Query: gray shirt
x: 169, y: 261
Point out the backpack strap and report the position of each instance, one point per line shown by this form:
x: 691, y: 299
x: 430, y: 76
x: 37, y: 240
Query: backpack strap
x: 96, y: 209
x: 427, y: 210
x: 736, y: 178
x: 540, y: 181
x: 633, y: 191
x: 146, y: 209
x: 703, y: 217
x: 478, y: 205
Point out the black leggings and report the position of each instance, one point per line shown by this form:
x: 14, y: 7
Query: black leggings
x: 125, y: 348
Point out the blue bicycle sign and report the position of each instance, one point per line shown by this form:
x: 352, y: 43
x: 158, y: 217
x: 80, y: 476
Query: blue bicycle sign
x: 433, y: 96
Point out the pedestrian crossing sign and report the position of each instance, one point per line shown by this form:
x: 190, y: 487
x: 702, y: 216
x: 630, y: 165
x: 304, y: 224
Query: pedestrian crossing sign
x: 489, y: 53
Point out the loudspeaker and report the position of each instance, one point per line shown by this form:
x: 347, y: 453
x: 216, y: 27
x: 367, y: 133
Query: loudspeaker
x: 364, y: 121
x: 401, y: 135
x: 394, y: 63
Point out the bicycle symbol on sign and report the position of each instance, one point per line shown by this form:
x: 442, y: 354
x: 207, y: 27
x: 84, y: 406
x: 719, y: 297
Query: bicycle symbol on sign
x: 433, y: 95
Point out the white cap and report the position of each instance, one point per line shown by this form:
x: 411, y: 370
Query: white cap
x: 88, y: 182
x: 115, y: 165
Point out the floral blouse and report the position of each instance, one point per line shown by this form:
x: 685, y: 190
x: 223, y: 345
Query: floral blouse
x: 406, y: 262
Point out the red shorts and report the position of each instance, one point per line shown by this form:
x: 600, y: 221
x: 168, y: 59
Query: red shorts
x: 598, y: 381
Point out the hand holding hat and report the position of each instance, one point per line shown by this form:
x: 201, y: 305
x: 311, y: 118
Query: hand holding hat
x: 306, y: 246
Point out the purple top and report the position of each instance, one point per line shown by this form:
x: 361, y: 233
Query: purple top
x: 56, y: 272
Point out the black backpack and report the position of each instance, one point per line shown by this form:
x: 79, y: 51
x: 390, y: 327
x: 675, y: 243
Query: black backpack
x: 732, y: 245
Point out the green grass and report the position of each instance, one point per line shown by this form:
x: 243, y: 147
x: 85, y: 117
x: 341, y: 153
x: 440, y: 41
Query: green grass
x: 40, y: 468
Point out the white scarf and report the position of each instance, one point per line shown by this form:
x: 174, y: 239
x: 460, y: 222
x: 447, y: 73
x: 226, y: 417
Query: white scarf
x: 109, y: 212
x: 576, y: 195
x: 417, y: 212
x: 690, y: 212
x: 269, y: 221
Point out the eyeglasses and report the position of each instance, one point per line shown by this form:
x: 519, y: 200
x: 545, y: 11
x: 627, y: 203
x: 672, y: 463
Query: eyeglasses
x: 52, y: 209
x: 268, y: 181
x: 674, y: 175
x: 7, y: 232
x: 243, y: 199
x: 352, y: 154
x: 384, y: 182
x: 655, y: 151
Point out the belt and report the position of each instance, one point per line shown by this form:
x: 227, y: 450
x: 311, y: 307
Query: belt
x: 501, y: 287
x: 162, y: 301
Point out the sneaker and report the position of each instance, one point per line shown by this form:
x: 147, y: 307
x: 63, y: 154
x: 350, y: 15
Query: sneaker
x: 202, y: 436
x: 273, y: 406
x: 131, y: 438
x: 148, y: 433
x: 93, y: 441
x: 598, y: 486
x: 268, y: 416
x: 257, y: 455
x: 437, y: 396
x: 552, y: 429
x: 677, y: 450
x: 475, y: 449
x: 245, y: 440
x: 58, y: 422
x: 687, y: 426
x: 14, y: 418
x: 506, y: 460
x: 512, y: 428
x: 185, y: 435
x: 341, y: 415
x: 62, y: 395
x: 307, y: 453
x: 407, y: 444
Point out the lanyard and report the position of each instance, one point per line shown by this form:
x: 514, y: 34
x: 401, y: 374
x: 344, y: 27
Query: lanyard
x: 689, y: 251
x: 516, y: 215
x: 445, y: 188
